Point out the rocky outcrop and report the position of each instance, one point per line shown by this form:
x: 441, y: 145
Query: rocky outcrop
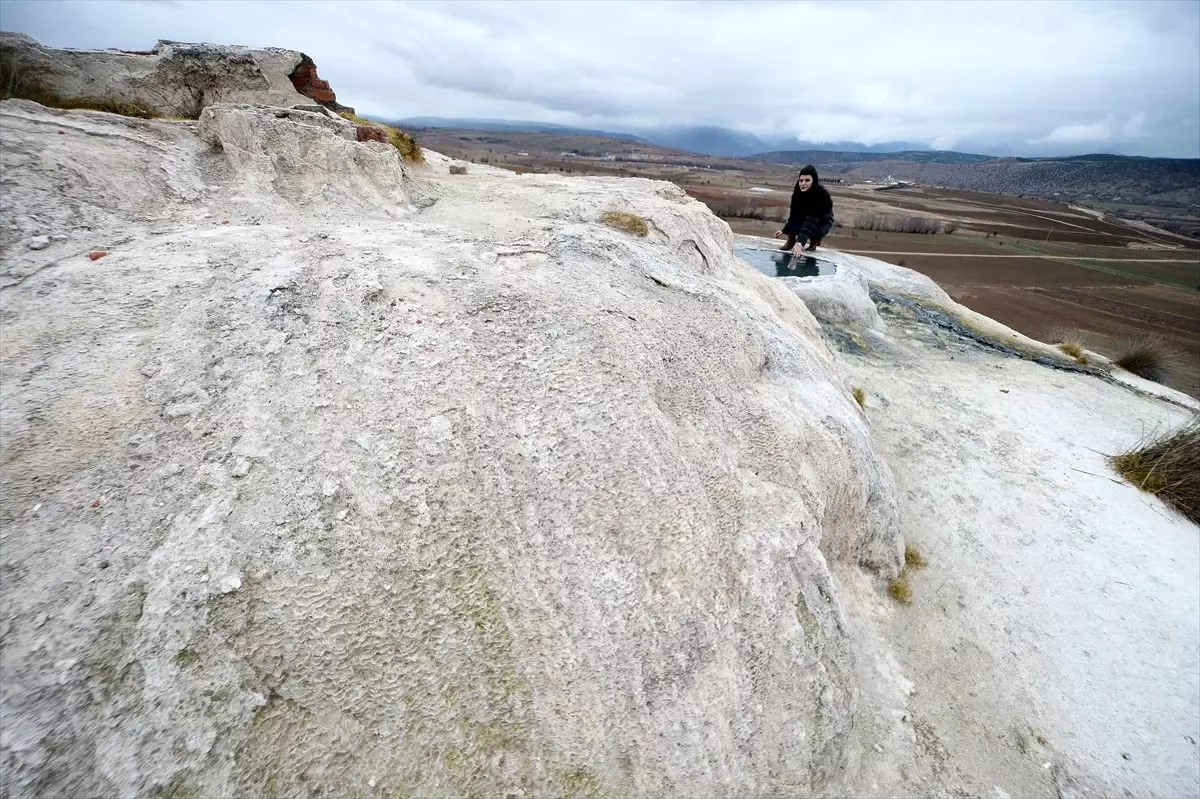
x: 489, y: 499
x: 304, y: 77
x: 173, y: 79
x: 309, y: 160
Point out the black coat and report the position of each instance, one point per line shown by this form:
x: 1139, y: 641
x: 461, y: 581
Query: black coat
x: 814, y: 203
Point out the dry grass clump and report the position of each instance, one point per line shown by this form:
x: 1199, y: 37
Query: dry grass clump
x: 111, y: 105
x: 900, y: 590
x: 860, y: 397
x: 409, y: 147
x: 913, y: 557
x: 1069, y: 341
x: 1168, y: 467
x: 1072, y: 349
x: 1075, y: 350
x: 623, y: 220
x: 1151, y: 358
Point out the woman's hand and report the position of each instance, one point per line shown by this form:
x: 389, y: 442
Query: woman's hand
x: 778, y: 234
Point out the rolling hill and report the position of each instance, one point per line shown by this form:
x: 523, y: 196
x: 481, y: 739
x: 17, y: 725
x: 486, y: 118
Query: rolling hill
x: 1171, y: 182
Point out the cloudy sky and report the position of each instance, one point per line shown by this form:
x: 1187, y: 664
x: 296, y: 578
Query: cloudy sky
x: 1029, y: 78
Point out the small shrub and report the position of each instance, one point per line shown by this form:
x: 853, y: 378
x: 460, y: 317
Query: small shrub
x: 623, y: 220
x: 860, y: 397
x: 900, y: 590
x: 1168, y: 467
x: 900, y: 262
x: 913, y: 557
x: 409, y: 148
x: 1151, y: 358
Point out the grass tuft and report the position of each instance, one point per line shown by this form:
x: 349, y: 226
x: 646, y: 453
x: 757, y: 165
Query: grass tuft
x: 1075, y: 350
x: 900, y: 590
x: 1150, y: 358
x: 623, y: 220
x: 409, y: 147
x: 1072, y: 349
x: 913, y: 557
x: 185, y: 657
x: 1168, y: 467
x: 860, y: 397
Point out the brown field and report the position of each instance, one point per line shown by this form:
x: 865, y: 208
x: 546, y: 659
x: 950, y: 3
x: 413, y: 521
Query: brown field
x: 1038, y: 296
x: 1105, y: 278
x: 1107, y: 304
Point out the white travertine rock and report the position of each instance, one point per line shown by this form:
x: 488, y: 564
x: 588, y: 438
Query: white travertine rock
x: 174, y: 78
x: 536, y: 505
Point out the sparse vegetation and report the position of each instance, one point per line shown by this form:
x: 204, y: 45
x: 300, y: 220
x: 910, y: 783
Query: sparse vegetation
x: 1168, y: 467
x: 623, y: 220
x: 900, y: 590
x: 1151, y: 358
x: 1072, y: 349
x: 860, y: 397
x: 1069, y: 342
x: 185, y: 657
x: 748, y: 211
x: 409, y: 147
x: 913, y: 557
x: 897, y: 224
x: 1075, y: 350
x: 14, y: 84
x: 178, y: 788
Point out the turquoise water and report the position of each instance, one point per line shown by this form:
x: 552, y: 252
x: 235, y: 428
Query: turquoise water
x: 775, y: 263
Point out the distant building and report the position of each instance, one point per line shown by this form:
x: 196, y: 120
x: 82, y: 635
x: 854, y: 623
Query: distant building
x: 759, y: 190
x: 526, y: 155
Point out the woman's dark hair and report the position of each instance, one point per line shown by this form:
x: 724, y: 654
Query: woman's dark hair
x: 811, y: 171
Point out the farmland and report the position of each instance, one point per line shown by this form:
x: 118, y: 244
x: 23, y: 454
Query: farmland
x: 1039, y: 266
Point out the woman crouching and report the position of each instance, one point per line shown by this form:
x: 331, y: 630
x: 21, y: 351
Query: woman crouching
x: 811, y: 216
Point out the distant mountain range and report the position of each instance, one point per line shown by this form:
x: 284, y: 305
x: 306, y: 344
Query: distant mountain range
x: 509, y: 126
x: 708, y: 140
x: 1099, y: 177
x: 704, y: 140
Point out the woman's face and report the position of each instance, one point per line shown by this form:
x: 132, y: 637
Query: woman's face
x: 805, y: 182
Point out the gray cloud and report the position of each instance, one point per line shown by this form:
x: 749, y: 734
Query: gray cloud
x: 1013, y: 78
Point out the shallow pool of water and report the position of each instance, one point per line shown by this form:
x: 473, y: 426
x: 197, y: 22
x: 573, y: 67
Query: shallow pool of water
x: 776, y: 263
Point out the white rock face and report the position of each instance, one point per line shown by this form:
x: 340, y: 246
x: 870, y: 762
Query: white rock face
x: 1050, y: 581
x: 175, y: 79
x: 842, y: 299
x: 319, y: 487
x: 310, y: 160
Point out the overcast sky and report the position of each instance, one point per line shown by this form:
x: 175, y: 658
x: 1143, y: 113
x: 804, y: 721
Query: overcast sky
x: 1008, y: 77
